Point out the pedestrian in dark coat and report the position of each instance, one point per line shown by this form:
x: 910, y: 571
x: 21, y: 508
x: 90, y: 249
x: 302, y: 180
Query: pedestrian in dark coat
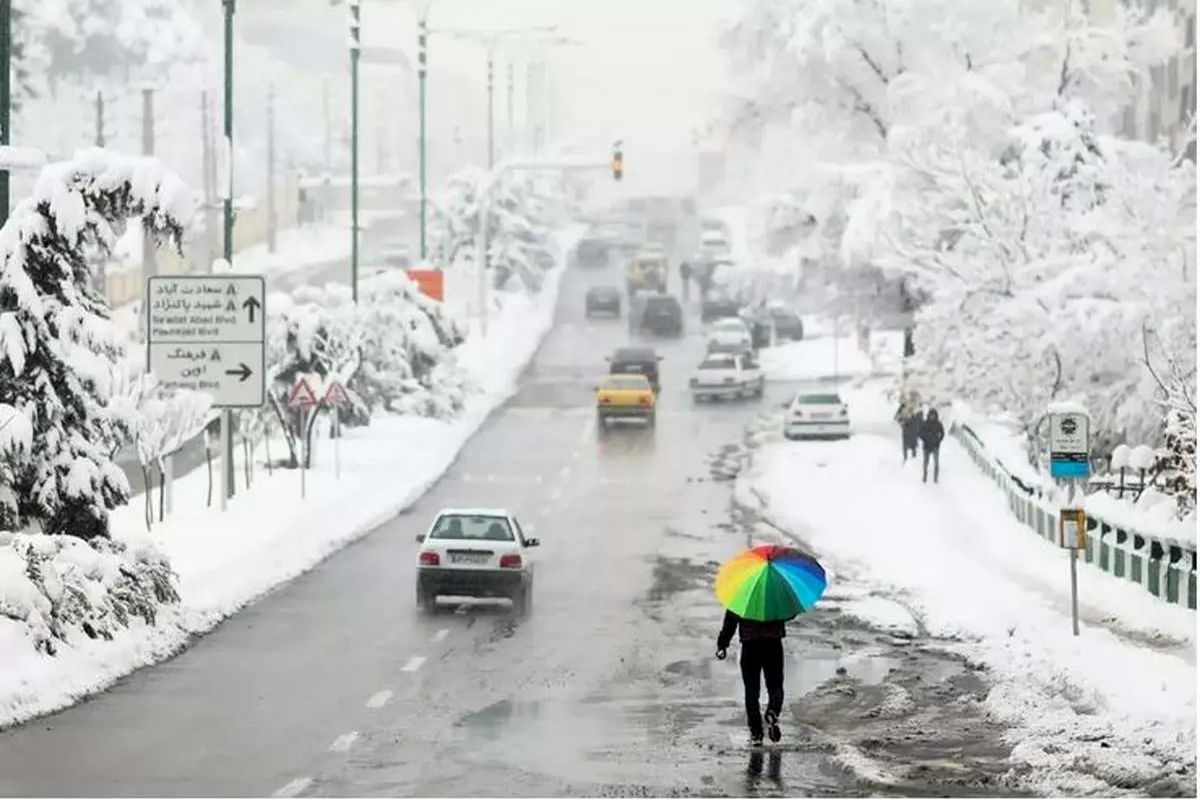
x: 685, y: 277
x: 910, y: 427
x: 762, y: 658
x: 932, y: 434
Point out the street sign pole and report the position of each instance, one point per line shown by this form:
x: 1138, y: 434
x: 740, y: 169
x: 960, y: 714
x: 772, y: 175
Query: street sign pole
x: 354, y: 54
x: 227, y: 471
x: 5, y: 96
x: 1070, y: 448
x: 422, y: 32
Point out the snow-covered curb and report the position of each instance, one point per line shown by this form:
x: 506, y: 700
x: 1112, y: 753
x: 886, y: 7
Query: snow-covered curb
x: 1117, y: 702
x: 268, y: 535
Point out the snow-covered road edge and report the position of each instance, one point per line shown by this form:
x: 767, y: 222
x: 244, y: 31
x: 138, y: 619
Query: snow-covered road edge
x: 215, y: 583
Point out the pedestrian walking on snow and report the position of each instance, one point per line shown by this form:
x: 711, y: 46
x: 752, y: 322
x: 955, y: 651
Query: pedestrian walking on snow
x: 685, y: 277
x: 931, y: 434
x: 910, y: 428
x: 761, y: 661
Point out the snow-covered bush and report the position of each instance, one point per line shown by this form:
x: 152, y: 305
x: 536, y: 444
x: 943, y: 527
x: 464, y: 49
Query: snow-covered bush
x: 58, y: 350
x: 62, y: 587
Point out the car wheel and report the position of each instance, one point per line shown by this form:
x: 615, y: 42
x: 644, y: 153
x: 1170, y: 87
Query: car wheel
x: 650, y: 420
x: 522, y: 599
x: 426, y: 599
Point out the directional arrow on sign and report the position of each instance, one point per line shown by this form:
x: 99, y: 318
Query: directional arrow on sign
x: 242, y: 370
x: 251, y: 305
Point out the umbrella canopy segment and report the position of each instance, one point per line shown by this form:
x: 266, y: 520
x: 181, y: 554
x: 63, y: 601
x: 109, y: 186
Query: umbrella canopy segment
x: 769, y: 583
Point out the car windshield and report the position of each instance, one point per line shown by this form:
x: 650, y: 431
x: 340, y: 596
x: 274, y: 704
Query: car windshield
x: 733, y: 325
x: 626, y: 382
x: 481, y: 527
x: 634, y: 355
x: 818, y: 400
x: 718, y: 362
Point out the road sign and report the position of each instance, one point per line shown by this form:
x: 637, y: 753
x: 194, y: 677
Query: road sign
x: 1072, y: 525
x: 206, y: 333
x: 1069, y: 440
x: 336, y: 395
x: 431, y: 282
x: 302, y: 395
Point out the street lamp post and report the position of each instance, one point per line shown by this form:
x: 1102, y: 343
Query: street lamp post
x: 491, y: 126
x: 422, y: 34
x: 355, y: 50
x: 5, y: 96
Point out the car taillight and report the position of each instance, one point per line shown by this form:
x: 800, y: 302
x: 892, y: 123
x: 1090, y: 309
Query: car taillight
x: 513, y: 561
x: 643, y: 401
x: 798, y: 414
x: 842, y: 413
x: 430, y: 559
x: 604, y: 401
x: 694, y: 381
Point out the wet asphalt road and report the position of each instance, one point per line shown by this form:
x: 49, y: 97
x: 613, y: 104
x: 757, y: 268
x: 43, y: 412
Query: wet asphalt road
x: 334, y: 684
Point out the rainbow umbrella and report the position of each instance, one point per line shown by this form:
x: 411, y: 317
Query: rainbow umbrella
x: 770, y: 582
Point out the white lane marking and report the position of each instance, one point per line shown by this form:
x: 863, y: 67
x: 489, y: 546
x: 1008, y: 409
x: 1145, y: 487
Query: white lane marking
x: 342, y: 743
x: 556, y: 492
x: 491, y: 478
x: 586, y: 433
x: 565, y: 471
x: 413, y: 664
x: 442, y: 634
x: 294, y: 788
x: 379, y: 699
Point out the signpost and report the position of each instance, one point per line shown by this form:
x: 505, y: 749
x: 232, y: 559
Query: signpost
x: 303, y: 399
x: 336, y: 396
x: 1070, y: 446
x: 206, y: 333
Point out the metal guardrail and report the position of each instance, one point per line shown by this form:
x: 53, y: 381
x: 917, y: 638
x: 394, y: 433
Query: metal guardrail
x: 1166, y: 570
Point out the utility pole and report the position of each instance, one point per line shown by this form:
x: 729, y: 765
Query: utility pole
x: 5, y: 96
x: 510, y: 142
x: 354, y: 54
x: 99, y: 118
x: 227, y: 416
x: 272, y: 221
x: 422, y: 36
x: 491, y: 126
x: 149, y: 263
x: 328, y: 152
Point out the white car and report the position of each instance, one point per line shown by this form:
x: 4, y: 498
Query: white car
x: 730, y: 334
x: 727, y: 375
x: 475, y: 552
x: 816, y: 415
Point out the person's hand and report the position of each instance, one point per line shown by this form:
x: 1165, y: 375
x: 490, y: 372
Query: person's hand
x: 721, y: 654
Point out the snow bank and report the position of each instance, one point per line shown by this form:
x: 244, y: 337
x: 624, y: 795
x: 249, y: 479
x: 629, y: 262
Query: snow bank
x: 1116, y: 702
x: 268, y: 535
x: 816, y: 358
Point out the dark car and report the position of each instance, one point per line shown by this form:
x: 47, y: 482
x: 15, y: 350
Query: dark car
x: 788, y: 324
x: 606, y: 299
x: 592, y: 253
x: 661, y: 314
x: 716, y: 305
x: 635, y: 361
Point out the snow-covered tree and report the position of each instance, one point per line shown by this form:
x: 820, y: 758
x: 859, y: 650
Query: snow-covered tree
x: 58, y: 350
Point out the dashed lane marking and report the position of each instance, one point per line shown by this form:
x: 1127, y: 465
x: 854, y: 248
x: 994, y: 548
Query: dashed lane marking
x: 442, y: 634
x: 342, y: 743
x: 556, y: 493
x: 588, y: 425
x: 413, y: 664
x: 294, y: 788
x: 379, y: 699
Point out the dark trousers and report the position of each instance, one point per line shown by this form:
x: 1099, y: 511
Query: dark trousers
x: 762, y: 657
x: 910, y: 447
x: 925, y: 464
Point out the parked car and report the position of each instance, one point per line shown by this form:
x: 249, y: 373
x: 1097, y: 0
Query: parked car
x: 473, y: 552
x: 592, y: 253
x: 622, y: 397
x: 727, y: 375
x: 660, y: 314
x: 717, y: 304
x: 730, y: 334
x: 714, y: 244
x: 396, y: 255
x: 788, y: 324
x: 816, y: 415
x: 636, y: 361
x: 606, y: 299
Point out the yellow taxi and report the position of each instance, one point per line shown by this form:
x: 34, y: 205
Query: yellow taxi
x: 624, y: 396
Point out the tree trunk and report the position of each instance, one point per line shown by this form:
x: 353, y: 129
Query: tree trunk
x: 162, y: 490
x: 148, y: 481
x: 289, y: 435
x: 208, y: 462
x: 246, y: 451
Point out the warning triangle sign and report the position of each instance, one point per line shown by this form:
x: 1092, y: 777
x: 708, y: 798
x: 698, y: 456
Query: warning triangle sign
x: 302, y: 395
x: 336, y: 395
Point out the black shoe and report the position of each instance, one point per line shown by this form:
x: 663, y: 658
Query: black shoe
x: 756, y: 740
x: 773, y: 726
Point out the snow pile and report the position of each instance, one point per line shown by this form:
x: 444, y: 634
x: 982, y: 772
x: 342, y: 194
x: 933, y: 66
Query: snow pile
x: 1114, y: 707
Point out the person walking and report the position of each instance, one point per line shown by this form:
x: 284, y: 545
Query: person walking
x: 761, y: 661
x: 685, y: 277
x: 909, y: 419
x: 931, y: 434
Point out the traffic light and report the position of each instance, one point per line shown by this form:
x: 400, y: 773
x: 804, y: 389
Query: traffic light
x: 618, y: 161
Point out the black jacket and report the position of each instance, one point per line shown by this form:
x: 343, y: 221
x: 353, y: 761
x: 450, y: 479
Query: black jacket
x: 748, y: 630
x: 932, y: 432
